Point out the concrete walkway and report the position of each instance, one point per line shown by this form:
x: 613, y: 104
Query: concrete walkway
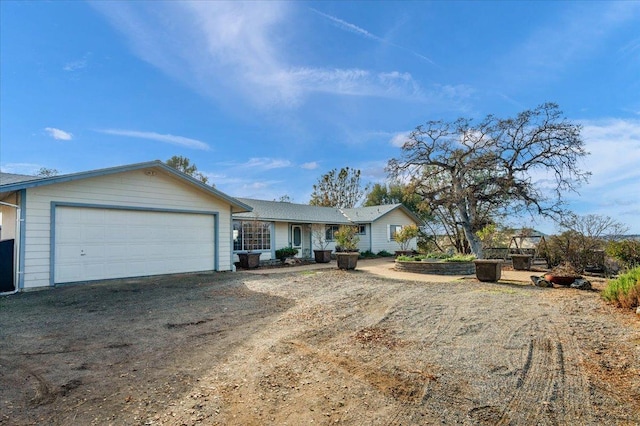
x: 385, y: 267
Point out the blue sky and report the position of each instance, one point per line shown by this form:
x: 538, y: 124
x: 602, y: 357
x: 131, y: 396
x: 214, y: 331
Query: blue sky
x: 265, y: 97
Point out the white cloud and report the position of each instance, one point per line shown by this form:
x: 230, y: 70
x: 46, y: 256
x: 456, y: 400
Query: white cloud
x: 398, y: 140
x: 614, y: 186
x: 171, y: 139
x: 354, y: 82
x: 265, y: 163
x: 75, y: 65
x: 310, y: 166
x: 245, y: 43
x: 615, y: 152
x: 58, y: 134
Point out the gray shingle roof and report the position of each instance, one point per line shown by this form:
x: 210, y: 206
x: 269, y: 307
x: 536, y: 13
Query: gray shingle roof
x: 291, y: 212
x: 8, y: 178
x: 369, y: 214
x: 304, y: 213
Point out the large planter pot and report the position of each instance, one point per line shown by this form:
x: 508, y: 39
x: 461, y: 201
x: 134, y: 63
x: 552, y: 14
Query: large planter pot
x: 347, y: 260
x: 249, y: 260
x: 489, y: 270
x: 521, y: 262
x: 322, y: 256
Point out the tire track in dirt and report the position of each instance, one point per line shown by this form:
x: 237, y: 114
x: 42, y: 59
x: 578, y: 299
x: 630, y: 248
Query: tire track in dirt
x: 406, y: 387
x: 545, y: 391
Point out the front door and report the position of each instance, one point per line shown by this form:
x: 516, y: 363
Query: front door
x: 6, y: 265
x: 296, y: 239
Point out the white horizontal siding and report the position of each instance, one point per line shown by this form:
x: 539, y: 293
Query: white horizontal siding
x: 380, y: 231
x: 130, y: 189
x: 281, y: 236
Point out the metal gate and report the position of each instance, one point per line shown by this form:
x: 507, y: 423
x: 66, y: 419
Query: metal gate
x: 6, y: 265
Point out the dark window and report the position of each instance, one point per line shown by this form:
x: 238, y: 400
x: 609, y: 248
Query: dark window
x: 330, y: 231
x: 393, y: 230
x: 251, y: 235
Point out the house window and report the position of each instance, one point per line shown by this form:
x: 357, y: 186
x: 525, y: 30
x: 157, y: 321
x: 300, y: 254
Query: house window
x: 251, y: 235
x: 330, y: 232
x: 362, y: 229
x: 393, y: 230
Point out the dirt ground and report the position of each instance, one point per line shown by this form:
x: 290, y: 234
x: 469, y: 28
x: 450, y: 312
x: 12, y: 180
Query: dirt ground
x: 316, y: 347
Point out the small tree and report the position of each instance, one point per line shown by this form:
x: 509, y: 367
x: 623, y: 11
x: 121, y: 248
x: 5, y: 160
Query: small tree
x: 184, y: 165
x: 405, y: 235
x: 45, y: 172
x: 319, y: 235
x: 338, y: 189
x: 396, y: 193
x: 347, y: 238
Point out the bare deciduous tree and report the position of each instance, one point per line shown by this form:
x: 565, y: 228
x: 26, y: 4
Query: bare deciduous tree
x: 594, y: 226
x: 476, y: 172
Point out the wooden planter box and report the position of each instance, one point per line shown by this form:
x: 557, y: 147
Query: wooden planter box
x: 488, y: 270
x: 322, y: 256
x: 249, y: 260
x: 521, y: 262
x: 347, y: 260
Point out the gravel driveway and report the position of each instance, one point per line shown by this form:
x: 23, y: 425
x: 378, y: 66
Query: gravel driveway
x: 316, y: 346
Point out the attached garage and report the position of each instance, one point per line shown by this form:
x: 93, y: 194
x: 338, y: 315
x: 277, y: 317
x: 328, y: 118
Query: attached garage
x: 94, y: 243
x: 129, y: 221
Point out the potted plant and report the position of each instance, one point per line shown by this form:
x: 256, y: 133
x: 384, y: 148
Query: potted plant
x: 320, y: 253
x: 563, y: 274
x: 347, y: 247
x: 286, y: 253
x: 404, y: 237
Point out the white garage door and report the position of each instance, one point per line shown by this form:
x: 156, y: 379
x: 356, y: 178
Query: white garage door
x: 96, y: 244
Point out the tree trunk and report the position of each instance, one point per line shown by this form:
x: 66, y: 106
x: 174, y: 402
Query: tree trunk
x: 465, y: 221
x: 474, y: 242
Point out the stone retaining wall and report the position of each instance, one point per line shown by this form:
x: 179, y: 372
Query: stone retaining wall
x: 436, y: 268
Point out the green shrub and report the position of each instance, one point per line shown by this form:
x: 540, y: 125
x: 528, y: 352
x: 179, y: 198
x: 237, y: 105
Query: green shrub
x: 438, y: 255
x: 367, y: 254
x: 625, y: 290
x: 285, y: 252
x: 625, y: 251
x: 384, y: 253
x: 461, y: 258
x: 417, y: 258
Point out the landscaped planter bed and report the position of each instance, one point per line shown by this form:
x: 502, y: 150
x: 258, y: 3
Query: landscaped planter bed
x: 436, y: 268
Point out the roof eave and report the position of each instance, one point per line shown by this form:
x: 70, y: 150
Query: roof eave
x: 237, y: 206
